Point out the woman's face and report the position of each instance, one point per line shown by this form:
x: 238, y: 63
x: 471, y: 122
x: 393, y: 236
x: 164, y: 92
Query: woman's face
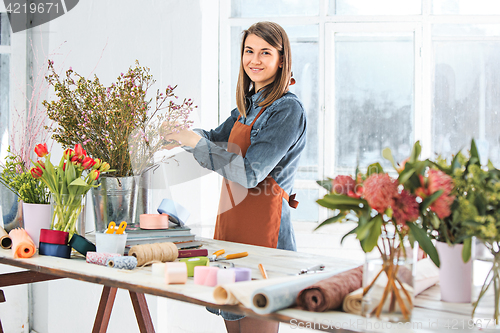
x: 260, y: 61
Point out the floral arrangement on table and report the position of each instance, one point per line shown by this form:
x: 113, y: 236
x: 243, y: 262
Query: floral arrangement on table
x: 387, y: 211
x: 16, y: 177
x: 67, y: 182
x: 116, y: 123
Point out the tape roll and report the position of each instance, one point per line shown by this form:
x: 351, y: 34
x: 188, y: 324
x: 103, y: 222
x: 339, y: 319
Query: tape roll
x: 225, y: 276
x: 158, y: 268
x: 191, y: 263
x: 205, y: 275
x: 126, y: 262
x: 5, y: 241
x: 100, y: 258
x: 176, y: 272
x: 54, y: 250
x: 54, y: 236
x: 242, y: 274
x: 177, y: 213
x: 81, y: 244
x: 153, y: 221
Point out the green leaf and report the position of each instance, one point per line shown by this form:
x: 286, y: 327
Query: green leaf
x: 330, y: 221
x: 435, y: 221
x: 430, y: 199
x: 374, y: 168
x: 327, y: 184
x: 415, y: 152
x: 424, y: 242
x: 473, y: 150
x: 349, y: 233
x: 369, y: 242
x: 78, y: 182
x: 405, y: 175
x: 466, y: 250
x: 340, y: 199
x: 328, y: 204
x: 387, y: 154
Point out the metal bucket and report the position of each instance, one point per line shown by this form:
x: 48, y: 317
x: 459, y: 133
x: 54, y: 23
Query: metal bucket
x: 115, y: 200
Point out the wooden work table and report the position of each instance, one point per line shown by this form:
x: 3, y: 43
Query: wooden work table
x: 429, y: 313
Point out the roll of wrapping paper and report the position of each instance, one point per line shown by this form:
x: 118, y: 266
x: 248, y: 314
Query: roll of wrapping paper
x: 122, y: 262
x: 175, y: 272
x: 54, y: 236
x: 191, y: 263
x: 153, y: 221
x: 54, y: 250
x: 353, y: 302
x: 5, y: 241
x: 177, y: 213
x: 100, y: 258
x: 329, y: 294
x: 22, y: 244
x: 81, y: 244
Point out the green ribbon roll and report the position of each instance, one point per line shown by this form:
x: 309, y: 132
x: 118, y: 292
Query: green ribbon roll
x: 191, y: 263
x: 81, y: 244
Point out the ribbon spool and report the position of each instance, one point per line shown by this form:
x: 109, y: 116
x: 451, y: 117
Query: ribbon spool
x: 158, y: 268
x: 153, y: 221
x: 191, y: 263
x: 100, y: 258
x: 81, y: 244
x: 205, y: 275
x: 54, y: 236
x: 156, y: 252
x: 225, y: 276
x: 176, y: 272
x: 5, y: 241
x: 120, y: 262
x: 177, y: 213
x: 54, y: 250
x: 242, y: 274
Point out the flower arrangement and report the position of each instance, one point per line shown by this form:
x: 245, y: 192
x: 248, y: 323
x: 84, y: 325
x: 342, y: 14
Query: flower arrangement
x: 116, y: 123
x: 387, y: 211
x: 18, y: 179
x: 67, y: 182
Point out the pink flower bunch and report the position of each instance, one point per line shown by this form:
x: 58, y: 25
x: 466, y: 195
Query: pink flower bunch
x: 437, y: 180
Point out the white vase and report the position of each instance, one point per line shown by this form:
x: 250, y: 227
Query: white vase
x: 455, y: 276
x: 36, y: 217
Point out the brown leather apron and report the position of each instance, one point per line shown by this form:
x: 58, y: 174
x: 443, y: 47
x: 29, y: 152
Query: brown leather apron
x: 250, y: 216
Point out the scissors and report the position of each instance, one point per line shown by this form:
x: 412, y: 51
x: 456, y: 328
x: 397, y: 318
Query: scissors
x: 112, y: 227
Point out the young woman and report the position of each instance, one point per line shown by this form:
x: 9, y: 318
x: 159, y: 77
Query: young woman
x: 257, y: 151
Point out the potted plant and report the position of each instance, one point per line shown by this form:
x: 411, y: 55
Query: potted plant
x: 118, y: 124
x: 387, y: 214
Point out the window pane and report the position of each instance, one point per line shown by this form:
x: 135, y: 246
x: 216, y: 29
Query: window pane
x: 308, y: 208
x: 466, y: 30
x: 379, y: 7
x: 4, y: 102
x: 266, y: 8
x: 466, y: 7
x: 305, y: 58
x: 374, y: 104
x: 4, y: 29
x: 466, y: 98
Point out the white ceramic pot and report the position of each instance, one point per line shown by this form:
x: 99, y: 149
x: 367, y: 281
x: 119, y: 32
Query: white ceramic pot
x: 36, y: 217
x: 455, y: 276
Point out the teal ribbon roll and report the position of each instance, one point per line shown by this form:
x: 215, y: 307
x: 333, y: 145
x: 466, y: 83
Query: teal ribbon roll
x: 81, y: 244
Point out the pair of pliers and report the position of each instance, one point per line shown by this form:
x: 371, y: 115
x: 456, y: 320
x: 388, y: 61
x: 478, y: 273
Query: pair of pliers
x: 112, y: 227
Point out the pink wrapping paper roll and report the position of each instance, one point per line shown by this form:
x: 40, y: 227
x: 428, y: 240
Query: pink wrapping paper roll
x: 153, y: 221
x: 175, y: 272
x: 205, y: 275
x: 100, y: 258
x: 22, y: 244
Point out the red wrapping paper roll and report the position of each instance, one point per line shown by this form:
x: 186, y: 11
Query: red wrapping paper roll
x: 54, y: 236
x: 328, y: 294
x: 22, y: 244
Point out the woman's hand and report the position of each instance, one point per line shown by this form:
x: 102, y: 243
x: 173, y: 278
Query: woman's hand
x: 183, y: 138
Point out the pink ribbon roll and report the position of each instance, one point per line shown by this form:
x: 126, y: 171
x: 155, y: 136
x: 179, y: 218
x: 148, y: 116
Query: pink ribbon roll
x: 153, y: 221
x: 100, y: 258
x: 175, y: 272
x: 205, y: 275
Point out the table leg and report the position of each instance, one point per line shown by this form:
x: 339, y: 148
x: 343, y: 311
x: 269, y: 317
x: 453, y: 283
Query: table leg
x: 142, y: 312
x: 2, y: 299
x: 104, y: 311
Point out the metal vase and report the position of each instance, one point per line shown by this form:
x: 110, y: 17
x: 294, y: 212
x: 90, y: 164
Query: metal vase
x: 115, y: 200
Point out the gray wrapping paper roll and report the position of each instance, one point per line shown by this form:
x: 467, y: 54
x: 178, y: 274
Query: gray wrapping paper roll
x: 126, y: 262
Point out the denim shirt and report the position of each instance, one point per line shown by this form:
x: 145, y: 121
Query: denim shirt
x: 277, y: 139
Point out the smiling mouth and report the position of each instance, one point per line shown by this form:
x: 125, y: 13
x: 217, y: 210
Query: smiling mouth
x: 256, y: 70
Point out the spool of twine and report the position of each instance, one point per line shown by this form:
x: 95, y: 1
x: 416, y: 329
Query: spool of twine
x: 157, y: 252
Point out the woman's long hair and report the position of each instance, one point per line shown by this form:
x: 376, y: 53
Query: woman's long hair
x: 275, y: 36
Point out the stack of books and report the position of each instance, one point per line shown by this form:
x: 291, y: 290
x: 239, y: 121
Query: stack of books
x: 180, y: 236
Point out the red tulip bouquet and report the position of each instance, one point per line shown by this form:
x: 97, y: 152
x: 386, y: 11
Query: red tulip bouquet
x: 68, y: 182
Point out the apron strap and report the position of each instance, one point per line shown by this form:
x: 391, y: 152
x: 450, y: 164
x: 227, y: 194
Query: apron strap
x: 291, y: 200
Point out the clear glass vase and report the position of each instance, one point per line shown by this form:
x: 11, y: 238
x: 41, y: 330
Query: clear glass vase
x: 486, y: 309
x: 388, y: 285
x: 68, y: 213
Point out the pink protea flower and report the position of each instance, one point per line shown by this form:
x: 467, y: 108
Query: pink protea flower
x: 438, y: 180
x: 405, y: 208
x: 343, y: 185
x: 379, y: 190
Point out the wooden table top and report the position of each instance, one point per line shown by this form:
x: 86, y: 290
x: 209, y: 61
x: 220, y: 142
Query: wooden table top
x: 429, y: 313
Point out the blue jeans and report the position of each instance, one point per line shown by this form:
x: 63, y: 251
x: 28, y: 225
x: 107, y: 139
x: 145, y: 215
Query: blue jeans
x: 225, y: 314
